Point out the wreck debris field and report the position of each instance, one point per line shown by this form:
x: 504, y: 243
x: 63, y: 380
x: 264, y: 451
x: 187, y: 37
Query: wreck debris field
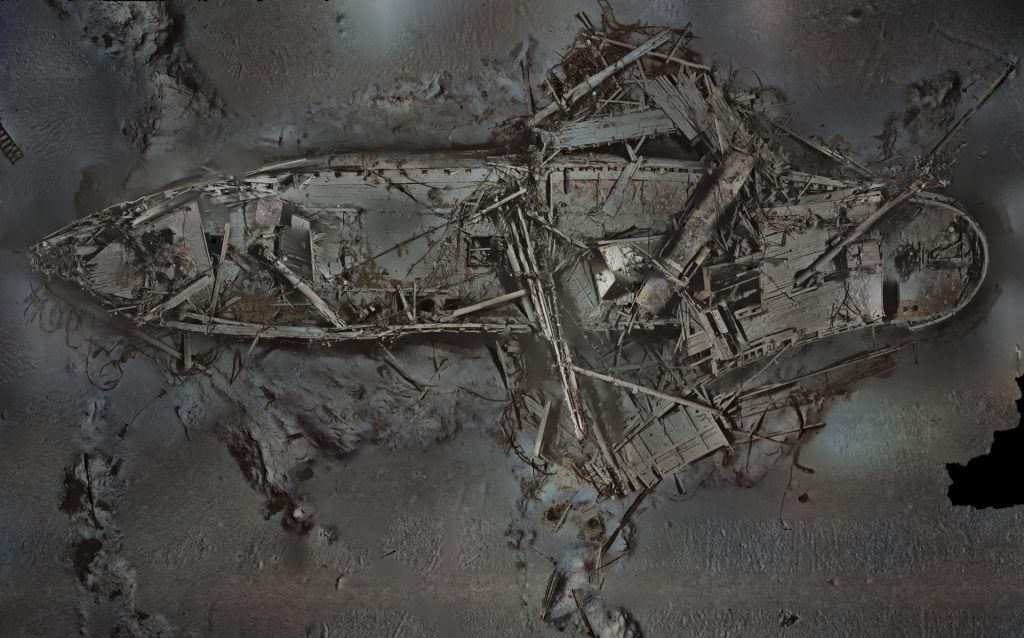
x: 450, y: 318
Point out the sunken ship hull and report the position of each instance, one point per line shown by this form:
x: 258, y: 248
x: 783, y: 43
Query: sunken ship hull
x: 372, y: 247
x: 649, y: 284
x: 378, y: 247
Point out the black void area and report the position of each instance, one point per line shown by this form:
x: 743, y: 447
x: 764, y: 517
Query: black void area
x: 995, y: 479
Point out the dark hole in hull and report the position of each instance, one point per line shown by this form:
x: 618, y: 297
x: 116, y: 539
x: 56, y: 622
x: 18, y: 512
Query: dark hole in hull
x: 890, y: 297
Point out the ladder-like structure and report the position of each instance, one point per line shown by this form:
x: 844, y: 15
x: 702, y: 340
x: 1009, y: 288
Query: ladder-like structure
x: 8, y: 147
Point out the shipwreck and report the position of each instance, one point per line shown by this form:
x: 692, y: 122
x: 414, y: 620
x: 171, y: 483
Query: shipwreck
x: 653, y: 242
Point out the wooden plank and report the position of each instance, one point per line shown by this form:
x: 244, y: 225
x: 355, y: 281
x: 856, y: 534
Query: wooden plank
x: 607, y: 129
x: 679, y: 107
x: 618, y: 195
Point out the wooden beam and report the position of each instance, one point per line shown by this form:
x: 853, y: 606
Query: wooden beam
x: 220, y: 268
x: 697, y: 226
x: 165, y: 206
x: 349, y: 333
x: 489, y: 303
x: 633, y: 387
x: 186, y: 293
x: 860, y: 229
x: 307, y: 292
x: 538, y: 444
